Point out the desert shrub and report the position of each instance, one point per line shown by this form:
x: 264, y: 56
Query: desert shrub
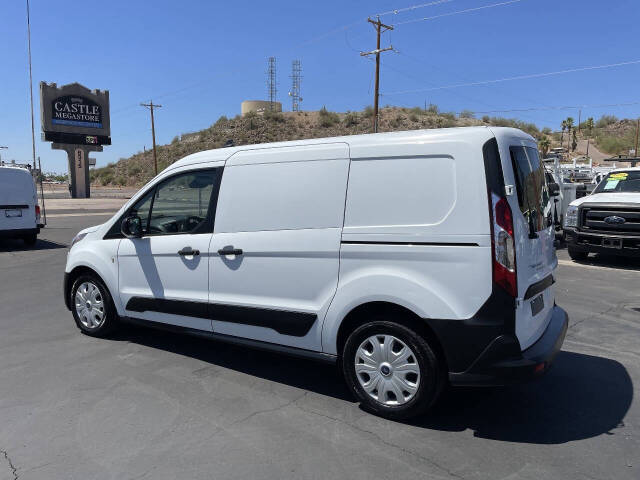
x: 327, y: 118
x: 413, y: 117
x: 433, y: 109
x: 272, y: 116
x: 546, y: 131
x: 350, y: 119
x: 368, y: 111
x: 466, y: 114
x: 606, y: 120
x: 486, y: 119
x: 221, y: 121
x: 448, y: 115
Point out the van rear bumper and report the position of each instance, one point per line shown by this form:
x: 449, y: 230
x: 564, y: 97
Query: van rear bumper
x: 498, y: 365
x: 19, y: 232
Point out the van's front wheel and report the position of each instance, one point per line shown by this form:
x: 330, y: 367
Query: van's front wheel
x: 92, y: 306
x: 391, y: 369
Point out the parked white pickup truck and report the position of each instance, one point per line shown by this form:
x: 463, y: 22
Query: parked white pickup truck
x: 608, y: 220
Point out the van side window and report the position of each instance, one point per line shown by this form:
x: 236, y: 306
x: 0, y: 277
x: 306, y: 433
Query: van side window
x: 181, y: 203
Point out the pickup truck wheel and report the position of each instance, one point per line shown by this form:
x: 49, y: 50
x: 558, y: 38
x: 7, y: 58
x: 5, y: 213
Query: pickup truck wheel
x: 392, y: 370
x: 92, y: 306
x: 577, y: 255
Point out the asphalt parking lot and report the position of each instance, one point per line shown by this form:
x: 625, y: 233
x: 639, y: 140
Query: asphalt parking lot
x: 149, y: 404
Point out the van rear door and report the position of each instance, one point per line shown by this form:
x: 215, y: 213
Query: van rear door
x: 534, y: 232
x: 17, y: 199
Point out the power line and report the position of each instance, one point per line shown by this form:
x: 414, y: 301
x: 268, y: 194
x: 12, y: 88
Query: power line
x: 413, y: 7
x: 559, y: 107
x: 519, y: 77
x: 458, y: 12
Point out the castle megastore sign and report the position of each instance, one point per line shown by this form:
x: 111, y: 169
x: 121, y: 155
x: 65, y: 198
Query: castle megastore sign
x: 76, y: 111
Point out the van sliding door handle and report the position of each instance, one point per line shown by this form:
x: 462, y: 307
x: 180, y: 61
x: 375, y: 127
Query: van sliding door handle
x: 230, y: 251
x: 188, y: 251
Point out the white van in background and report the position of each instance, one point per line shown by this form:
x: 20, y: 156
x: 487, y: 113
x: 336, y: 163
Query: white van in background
x: 19, y: 209
x: 410, y: 259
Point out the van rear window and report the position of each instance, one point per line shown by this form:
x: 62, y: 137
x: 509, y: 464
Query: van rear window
x: 533, y: 195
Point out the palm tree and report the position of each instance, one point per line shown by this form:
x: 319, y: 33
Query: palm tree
x: 590, y: 124
x: 543, y: 145
x: 569, y: 121
x: 564, y: 127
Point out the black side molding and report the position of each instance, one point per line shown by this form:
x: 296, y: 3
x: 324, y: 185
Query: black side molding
x: 541, y: 286
x: 296, y: 324
x: 436, y: 244
x: 272, y: 347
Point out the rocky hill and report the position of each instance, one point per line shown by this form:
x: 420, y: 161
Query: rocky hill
x: 274, y: 127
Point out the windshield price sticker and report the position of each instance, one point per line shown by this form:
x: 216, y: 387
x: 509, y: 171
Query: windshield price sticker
x: 618, y: 176
x: 611, y: 184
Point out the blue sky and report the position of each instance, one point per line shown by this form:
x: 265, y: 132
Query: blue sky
x: 200, y: 59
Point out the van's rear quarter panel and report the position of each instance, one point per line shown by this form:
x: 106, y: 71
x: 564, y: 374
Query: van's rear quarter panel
x: 417, y: 230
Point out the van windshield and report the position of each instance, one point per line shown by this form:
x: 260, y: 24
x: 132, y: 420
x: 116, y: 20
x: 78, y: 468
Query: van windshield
x: 533, y: 194
x: 620, y: 182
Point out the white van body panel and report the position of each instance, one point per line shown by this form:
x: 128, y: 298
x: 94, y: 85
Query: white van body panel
x: 284, y: 207
x: 18, y: 199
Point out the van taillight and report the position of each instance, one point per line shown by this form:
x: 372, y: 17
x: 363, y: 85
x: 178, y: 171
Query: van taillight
x: 37, y: 210
x: 504, y: 252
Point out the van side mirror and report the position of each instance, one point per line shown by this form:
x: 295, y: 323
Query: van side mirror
x: 132, y: 226
x: 554, y: 189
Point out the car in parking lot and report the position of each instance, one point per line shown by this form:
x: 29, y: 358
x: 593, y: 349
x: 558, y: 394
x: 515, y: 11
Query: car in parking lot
x: 411, y: 259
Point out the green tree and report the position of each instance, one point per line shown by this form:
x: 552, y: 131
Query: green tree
x: 564, y: 127
x: 569, y: 121
x: 574, y: 141
x: 543, y: 145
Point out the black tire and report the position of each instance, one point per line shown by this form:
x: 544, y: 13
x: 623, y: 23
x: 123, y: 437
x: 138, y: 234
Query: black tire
x: 432, y: 375
x: 110, y: 319
x: 577, y: 255
x: 30, y: 239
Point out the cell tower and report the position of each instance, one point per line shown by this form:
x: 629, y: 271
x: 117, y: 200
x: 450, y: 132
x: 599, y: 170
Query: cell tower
x: 272, y: 88
x: 296, y: 69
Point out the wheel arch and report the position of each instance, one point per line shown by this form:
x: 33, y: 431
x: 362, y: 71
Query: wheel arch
x: 70, y: 278
x: 401, y: 315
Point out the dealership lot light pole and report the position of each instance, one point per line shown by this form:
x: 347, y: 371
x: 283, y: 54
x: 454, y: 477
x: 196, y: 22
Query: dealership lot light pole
x: 33, y: 133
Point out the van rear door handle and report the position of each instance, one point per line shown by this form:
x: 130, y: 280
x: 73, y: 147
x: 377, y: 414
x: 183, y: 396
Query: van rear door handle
x: 230, y: 251
x: 188, y: 251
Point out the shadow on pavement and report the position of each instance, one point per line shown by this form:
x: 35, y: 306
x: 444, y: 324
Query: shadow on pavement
x: 612, y: 261
x: 16, y: 245
x: 582, y: 396
x: 316, y: 377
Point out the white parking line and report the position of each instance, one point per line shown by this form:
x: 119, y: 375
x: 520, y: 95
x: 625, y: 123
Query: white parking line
x: 571, y: 263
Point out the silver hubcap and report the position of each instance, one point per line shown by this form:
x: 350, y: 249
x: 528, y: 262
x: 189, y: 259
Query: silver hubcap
x: 387, y: 369
x: 89, y: 305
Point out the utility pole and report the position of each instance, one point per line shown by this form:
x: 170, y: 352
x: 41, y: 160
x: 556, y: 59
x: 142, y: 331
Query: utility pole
x: 151, y: 106
x: 33, y: 134
x: 579, y: 116
x: 379, y: 26
x: 637, y: 154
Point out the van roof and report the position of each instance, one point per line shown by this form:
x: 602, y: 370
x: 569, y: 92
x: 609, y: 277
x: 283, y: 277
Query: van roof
x: 481, y: 134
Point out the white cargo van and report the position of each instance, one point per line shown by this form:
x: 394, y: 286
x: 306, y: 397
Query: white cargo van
x: 411, y: 259
x: 19, y: 209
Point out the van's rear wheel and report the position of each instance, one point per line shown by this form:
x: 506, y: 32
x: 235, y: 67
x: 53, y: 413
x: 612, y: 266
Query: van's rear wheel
x: 92, y: 306
x: 392, y: 370
x: 577, y: 255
